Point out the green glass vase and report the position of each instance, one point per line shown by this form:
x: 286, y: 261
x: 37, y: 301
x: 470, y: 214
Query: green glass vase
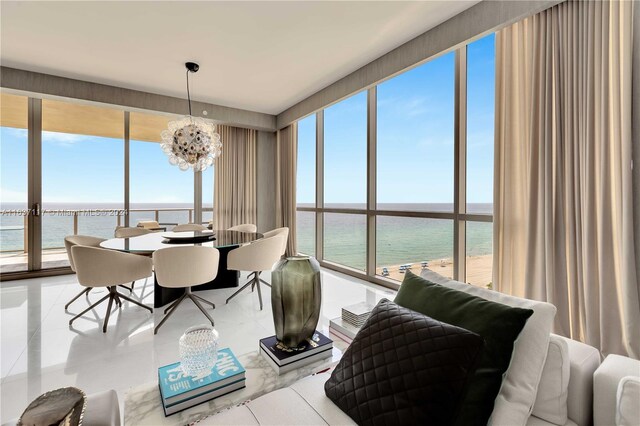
x: 296, y: 299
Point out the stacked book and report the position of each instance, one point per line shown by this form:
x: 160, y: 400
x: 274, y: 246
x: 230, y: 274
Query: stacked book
x: 353, y: 318
x: 179, y: 391
x: 283, y: 359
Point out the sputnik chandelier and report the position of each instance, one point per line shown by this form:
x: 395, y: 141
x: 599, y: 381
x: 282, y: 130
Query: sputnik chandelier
x: 191, y: 141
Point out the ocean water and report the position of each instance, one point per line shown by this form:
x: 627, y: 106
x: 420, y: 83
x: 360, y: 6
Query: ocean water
x: 399, y: 240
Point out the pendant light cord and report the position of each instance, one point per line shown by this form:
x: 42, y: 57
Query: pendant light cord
x: 188, y: 94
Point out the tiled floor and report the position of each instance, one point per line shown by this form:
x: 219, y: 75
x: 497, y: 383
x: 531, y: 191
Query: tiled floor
x: 40, y: 352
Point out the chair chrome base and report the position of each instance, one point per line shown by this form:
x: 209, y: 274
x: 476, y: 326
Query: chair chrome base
x: 88, y: 289
x: 194, y: 298
x: 254, y: 283
x: 112, y: 296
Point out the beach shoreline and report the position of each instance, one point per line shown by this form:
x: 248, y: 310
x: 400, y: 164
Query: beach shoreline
x: 479, y: 269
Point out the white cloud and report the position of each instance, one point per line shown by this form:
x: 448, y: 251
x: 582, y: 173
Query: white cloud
x: 61, y: 139
x: 10, y: 196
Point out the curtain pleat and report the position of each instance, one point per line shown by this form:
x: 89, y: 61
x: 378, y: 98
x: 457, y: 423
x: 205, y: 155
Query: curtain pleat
x: 563, y: 221
x: 286, y: 168
x: 235, y: 178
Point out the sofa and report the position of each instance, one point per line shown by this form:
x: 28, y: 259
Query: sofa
x: 553, y: 388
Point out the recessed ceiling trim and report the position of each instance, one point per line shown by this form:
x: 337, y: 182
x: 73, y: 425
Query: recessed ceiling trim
x: 46, y: 85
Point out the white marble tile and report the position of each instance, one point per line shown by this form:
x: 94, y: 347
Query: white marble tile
x: 40, y: 352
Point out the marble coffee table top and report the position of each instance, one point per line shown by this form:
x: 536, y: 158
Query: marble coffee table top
x: 142, y: 405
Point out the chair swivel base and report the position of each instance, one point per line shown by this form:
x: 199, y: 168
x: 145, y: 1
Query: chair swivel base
x: 253, y: 282
x: 88, y: 289
x: 194, y: 298
x: 112, y: 296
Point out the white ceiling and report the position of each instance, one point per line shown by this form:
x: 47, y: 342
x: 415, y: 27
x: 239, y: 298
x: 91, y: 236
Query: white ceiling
x: 261, y: 56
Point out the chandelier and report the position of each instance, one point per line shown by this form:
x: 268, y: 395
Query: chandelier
x: 191, y: 141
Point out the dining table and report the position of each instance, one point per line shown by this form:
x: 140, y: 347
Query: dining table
x: 223, y: 240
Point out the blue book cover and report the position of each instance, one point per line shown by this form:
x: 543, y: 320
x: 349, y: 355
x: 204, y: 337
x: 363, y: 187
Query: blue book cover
x: 175, y: 385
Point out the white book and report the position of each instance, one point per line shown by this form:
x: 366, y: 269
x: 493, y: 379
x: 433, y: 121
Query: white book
x: 344, y: 327
x: 202, y: 398
x: 294, y: 365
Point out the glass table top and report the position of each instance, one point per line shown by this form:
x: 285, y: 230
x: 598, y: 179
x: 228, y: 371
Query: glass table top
x: 154, y: 241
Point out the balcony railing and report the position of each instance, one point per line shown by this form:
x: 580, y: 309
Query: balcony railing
x: 77, y: 217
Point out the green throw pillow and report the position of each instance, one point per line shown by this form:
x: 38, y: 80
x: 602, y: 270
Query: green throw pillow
x: 498, y: 324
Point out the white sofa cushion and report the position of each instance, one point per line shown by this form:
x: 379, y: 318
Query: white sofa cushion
x: 551, y: 400
x: 517, y: 395
x: 605, y: 386
x: 628, y: 402
x: 303, y: 403
x: 585, y: 360
x: 536, y: 421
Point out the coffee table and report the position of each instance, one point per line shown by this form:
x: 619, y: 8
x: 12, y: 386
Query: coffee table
x: 142, y: 405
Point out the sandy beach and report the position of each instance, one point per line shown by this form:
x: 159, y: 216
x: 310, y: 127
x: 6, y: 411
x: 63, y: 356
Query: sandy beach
x: 478, y: 269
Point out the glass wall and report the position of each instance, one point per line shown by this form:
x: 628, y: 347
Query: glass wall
x: 480, y: 122
x: 208, y: 177
x: 345, y: 239
x: 479, y: 253
x: 414, y: 221
x: 413, y: 243
x: 415, y: 133
x: 345, y: 153
x: 13, y: 175
x: 82, y: 174
x: 158, y: 190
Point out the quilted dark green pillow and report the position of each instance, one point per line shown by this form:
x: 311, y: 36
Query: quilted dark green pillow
x: 498, y: 324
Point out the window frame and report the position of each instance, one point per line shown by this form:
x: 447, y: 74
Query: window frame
x: 459, y: 216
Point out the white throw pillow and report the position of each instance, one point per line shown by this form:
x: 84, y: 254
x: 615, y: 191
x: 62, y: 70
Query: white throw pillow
x: 628, y: 401
x: 553, y: 390
x: 517, y: 395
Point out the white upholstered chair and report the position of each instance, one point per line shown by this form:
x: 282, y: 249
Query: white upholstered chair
x: 128, y: 232
x: 284, y: 232
x: 256, y: 257
x: 189, y: 227
x: 184, y: 267
x: 98, y: 267
x: 81, y: 240
x: 245, y: 227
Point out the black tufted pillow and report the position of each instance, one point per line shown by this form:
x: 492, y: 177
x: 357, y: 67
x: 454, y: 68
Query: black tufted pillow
x: 404, y: 367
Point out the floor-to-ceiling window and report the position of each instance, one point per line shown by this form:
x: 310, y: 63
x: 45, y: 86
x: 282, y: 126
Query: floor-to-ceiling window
x: 415, y: 169
x: 345, y: 182
x: 306, y: 185
x: 77, y: 168
x: 407, y: 184
x: 158, y: 190
x: 82, y: 174
x: 13, y: 183
x: 479, y: 160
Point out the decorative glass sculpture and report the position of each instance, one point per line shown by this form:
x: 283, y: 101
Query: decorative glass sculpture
x: 191, y: 142
x: 296, y: 298
x: 198, y: 351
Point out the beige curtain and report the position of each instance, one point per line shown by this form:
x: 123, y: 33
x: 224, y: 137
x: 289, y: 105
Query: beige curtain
x: 286, y: 167
x: 563, y: 198
x: 235, y: 178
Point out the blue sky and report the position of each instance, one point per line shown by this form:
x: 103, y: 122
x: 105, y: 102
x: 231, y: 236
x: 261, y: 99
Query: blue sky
x: 415, y: 148
x: 415, y: 136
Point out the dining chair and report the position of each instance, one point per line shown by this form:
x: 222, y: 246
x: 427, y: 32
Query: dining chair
x: 189, y: 227
x: 185, y: 267
x: 128, y: 232
x: 245, y: 227
x: 256, y: 257
x: 98, y: 267
x: 82, y: 240
x: 284, y: 232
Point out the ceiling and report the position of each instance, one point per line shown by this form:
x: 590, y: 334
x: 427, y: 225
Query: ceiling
x: 260, y: 56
